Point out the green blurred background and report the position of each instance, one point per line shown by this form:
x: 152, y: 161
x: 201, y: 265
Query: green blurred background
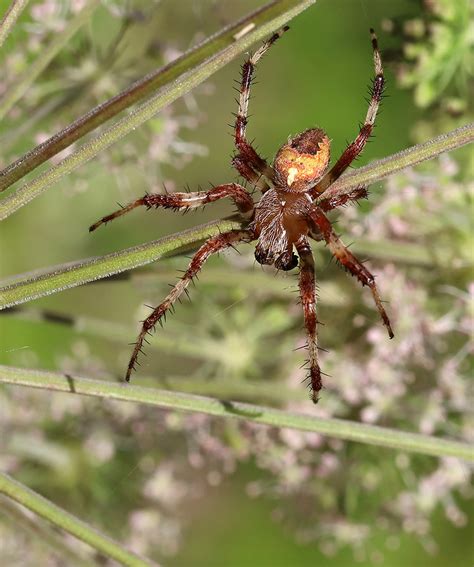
x: 317, y: 75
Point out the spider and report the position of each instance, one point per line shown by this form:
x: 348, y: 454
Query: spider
x: 289, y: 213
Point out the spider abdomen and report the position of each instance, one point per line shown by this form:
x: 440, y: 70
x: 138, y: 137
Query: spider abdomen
x: 303, y: 160
x: 279, y: 222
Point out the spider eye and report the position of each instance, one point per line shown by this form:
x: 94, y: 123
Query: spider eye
x: 302, y: 161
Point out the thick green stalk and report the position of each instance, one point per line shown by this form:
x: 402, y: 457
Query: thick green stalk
x: 69, y: 523
x: 10, y: 18
x: 29, y: 76
x: 176, y: 79
x: 71, y: 275
x: 338, y: 428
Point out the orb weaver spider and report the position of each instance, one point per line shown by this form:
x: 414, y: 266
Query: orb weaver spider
x: 285, y: 217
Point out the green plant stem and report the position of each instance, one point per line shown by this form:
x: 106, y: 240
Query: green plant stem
x: 381, y: 169
x: 77, y: 273
x: 137, y: 92
x: 29, y: 76
x: 338, y: 428
x: 176, y: 79
x: 10, y: 18
x: 69, y: 523
x: 45, y: 535
x: 27, y: 287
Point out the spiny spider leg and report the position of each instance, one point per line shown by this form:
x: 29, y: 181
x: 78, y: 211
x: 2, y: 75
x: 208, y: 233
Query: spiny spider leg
x: 341, y: 200
x: 257, y: 180
x: 356, y: 147
x: 211, y: 246
x: 349, y: 261
x: 247, y: 158
x: 236, y: 192
x: 308, y: 301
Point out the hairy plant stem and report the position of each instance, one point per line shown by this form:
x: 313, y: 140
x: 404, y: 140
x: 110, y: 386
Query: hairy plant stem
x: 10, y: 18
x: 44, y: 534
x: 76, y: 273
x: 28, y: 77
x: 382, y: 168
x: 338, y: 428
x: 183, y: 74
x: 69, y: 523
x: 32, y: 286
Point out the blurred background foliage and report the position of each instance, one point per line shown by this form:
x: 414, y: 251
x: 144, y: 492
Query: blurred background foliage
x: 189, y: 489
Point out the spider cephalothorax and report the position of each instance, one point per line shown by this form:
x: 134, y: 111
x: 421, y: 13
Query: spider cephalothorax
x: 290, y: 212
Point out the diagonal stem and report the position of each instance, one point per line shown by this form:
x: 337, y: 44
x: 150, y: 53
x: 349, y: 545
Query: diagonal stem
x: 267, y: 18
x: 76, y: 273
x: 46, y: 535
x: 23, y: 83
x: 338, y: 428
x: 69, y: 523
x: 10, y: 18
x: 382, y: 168
x: 58, y: 278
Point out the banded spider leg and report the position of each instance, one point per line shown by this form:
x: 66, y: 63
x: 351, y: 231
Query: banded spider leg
x: 211, y: 246
x: 356, y: 147
x: 234, y: 191
x: 248, y: 162
x: 349, y: 261
x: 308, y: 301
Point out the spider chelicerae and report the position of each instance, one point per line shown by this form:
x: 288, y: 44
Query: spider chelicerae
x: 286, y: 216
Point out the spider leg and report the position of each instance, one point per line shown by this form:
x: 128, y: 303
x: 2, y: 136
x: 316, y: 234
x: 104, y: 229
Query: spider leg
x: 349, y: 261
x: 257, y: 180
x: 211, y: 246
x: 185, y: 201
x: 356, y: 147
x: 308, y: 301
x: 343, y: 199
x: 247, y: 160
